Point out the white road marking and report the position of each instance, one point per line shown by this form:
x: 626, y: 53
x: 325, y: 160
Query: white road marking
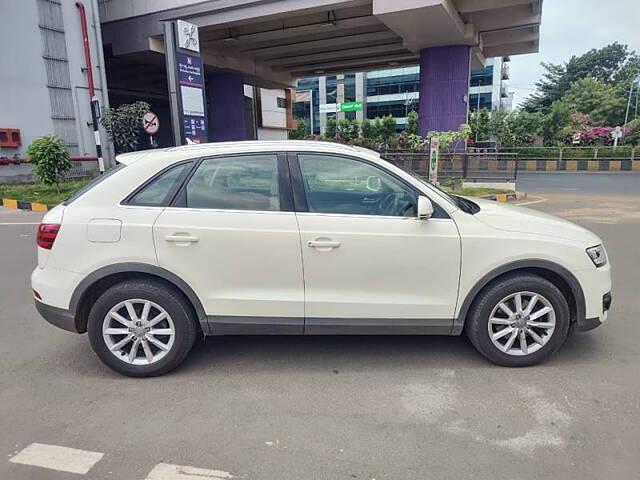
x: 167, y: 471
x: 532, y: 202
x: 53, y: 457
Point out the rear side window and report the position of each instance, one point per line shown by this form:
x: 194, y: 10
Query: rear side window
x: 93, y: 183
x: 157, y: 192
x: 247, y: 182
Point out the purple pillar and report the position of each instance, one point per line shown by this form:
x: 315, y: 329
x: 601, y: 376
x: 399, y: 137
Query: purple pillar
x: 444, y: 87
x: 226, y: 107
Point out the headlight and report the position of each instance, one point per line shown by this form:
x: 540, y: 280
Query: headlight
x: 598, y: 255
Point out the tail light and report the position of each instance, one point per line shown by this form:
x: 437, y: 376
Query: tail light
x: 47, y: 233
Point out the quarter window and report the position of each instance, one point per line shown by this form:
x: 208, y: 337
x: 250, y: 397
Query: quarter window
x: 156, y: 193
x: 348, y: 186
x: 248, y: 182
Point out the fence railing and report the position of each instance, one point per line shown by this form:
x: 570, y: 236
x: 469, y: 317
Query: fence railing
x: 504, y: 165
x: 487, y: 166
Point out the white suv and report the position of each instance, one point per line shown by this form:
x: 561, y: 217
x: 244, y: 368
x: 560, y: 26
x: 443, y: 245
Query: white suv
x: 305, y: 238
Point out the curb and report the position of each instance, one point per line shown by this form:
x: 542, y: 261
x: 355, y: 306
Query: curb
x: 32, y: 206
x: 506, y: 197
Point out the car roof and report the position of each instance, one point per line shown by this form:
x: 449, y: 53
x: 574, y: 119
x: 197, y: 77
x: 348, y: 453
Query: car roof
x: 217, y: 148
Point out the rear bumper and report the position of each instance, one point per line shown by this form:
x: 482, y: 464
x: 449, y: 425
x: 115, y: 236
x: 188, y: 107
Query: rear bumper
x: 59, y: 317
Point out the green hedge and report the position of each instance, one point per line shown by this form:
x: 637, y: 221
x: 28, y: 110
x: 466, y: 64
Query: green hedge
x: 573, y: 152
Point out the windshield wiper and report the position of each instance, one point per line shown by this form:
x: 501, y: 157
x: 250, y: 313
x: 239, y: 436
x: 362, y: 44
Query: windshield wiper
x: 465, y: 205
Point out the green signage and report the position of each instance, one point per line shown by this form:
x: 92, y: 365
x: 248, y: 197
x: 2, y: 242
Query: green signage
x: 350, y: 107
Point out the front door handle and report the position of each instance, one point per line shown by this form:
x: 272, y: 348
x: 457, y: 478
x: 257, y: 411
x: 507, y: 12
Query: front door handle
x: 181, y: 238
x: 322, y: 244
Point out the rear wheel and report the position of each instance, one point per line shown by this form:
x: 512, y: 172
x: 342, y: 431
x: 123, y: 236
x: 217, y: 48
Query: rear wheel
x: 519, y: 320
x: 141, y: 328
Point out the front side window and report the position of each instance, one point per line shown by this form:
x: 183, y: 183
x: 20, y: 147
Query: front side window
x: 348, y: 186
x: 248, y: 182
x: 156, y: 192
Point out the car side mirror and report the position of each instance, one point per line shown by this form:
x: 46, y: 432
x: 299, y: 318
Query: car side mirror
x: 425, y: 208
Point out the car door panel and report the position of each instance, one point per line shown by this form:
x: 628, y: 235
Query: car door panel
x: 370, y: 272
x: 244, y: 263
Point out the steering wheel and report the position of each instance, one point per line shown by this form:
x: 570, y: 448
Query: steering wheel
x: 389, y: 203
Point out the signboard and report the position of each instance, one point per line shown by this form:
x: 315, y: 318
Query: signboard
x: 616, y: 134
x: 328, y: 108
x: 191, y: 86
x: 189, y: 70
x: 350, y: 106
x: 150, y: 123
x: 433, y: 160
x: 188, y: 36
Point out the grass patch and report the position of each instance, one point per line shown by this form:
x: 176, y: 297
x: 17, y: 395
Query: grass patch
x: 478, y: 192
x: 40, y: 193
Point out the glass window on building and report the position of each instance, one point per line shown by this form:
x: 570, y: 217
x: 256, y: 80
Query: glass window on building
x: 482, y: 77
x: 303, y: 109
x: 393, y: 84
x: 350, y: 88
x: 480, y: 101
x: 332, y: 89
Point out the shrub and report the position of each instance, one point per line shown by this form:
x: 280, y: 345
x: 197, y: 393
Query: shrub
x: 124, y: 125
x: 331, y: 129
x: 348, y: 130
x: 368, y: 130
x: 50, y: 158
x: 301, y: 132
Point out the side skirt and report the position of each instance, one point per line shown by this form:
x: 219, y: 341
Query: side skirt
x: 235, y: 325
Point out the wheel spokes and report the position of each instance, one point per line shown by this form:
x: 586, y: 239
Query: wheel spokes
x: 524, y: 330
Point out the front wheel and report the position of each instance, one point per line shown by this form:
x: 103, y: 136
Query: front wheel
x: 141, y: 328
x: 519, y: 320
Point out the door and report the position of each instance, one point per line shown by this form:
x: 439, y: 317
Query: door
x: 370, y: 266
x: 232, y: 235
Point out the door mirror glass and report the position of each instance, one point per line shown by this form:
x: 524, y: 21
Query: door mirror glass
x: 374, y: 183
x: 425, y: 208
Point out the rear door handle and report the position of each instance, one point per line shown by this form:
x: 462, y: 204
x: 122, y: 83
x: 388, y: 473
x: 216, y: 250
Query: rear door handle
x: 323, y: 244
x: 183, y: 238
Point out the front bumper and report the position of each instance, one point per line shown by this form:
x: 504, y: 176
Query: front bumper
x: 585, y: 324
x: 59, y: 317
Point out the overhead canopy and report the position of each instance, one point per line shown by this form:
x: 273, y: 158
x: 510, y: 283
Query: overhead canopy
x: 274, y: 42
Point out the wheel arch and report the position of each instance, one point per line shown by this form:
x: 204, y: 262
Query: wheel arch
x: 556, y: 274
x: 90, y: 288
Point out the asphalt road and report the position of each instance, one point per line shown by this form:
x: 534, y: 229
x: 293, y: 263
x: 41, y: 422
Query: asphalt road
x: 275, y: 408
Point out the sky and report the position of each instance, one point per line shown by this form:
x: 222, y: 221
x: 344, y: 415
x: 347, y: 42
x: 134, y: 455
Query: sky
x: 572, y: 27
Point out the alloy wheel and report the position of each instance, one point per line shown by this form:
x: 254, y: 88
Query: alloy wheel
x: 522, y: 323
x: 138, y: 332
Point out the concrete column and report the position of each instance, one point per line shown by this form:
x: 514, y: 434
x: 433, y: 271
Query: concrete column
x: 360, y: 96
x: 226, y: 107
x: 444, y: 87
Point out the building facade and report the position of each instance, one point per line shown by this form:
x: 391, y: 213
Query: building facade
x: 44, y: 76
x: 394, y: 92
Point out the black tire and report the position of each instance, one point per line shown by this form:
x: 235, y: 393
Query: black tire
x: 161, y: 294
x: 476, y: 325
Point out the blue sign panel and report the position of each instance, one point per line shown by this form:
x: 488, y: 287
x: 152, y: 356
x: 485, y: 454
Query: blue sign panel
x: 195, y: 128
x: 190, y: 70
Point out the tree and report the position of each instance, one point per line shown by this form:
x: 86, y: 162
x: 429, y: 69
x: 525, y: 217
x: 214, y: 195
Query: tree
x: 412, y: 123
x: 611, y: 64
x: 479, y: 123
x: 604, y: 103
x: 301, y: 132
x: 50, y: 158
x: 552, y: 123
x: 632, y: 134
x: 124, y: 125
